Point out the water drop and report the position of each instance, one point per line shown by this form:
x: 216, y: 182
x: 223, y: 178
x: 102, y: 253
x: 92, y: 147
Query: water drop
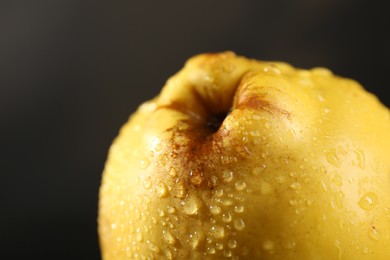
x: 232, y: 243
x: 218, y: 231
x: 227, y: 176
x: 227, y: 202
x: 210, y: 250
x: 147, y: 199
x: 227, y: 253
x: 289, y: 245
x: 240, y: 185
x: 365, y: 250
x: 168, y: 237
x: 172, y: 172
x: 215, y: 210
x: 338, y: 180
x: 113, y: 226
x: 195, y: 239
x: 144, y: 164
x: 226, y: 217
x: 147, y: 184
x: 239, y: 209
x: 171, y: 209
x: 258, y: 170
x: 368, y: 201
x: 374, y: 234
x: 268, y: 245
x: 219, y: 246
x: 213, y: 180
x: 309, y: 202
x: 153, y: 247
x: 219, y: 192
x: 168, y: 254
x: 280, y: 179
x: 138, y: 235
x: 181, y: 191
x: 161, y: 212
x: 191, y: 205
x: 161, y: 190
x: 296, y: 186
x: 239, y: 224
x: 361, y: 159
x: 332, y: 158
x: 157, y: 146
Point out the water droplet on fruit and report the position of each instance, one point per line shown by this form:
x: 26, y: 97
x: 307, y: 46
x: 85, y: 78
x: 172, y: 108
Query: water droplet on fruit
x: 268, y: 245
x: 138, y: 235
x: 226, y: 217
x: 332, y: 158
x: 232, y: 243
x: 280, y: 179
x: 161, y: 212
x: 181, y: 191
x: 215, y: 210
x: 361, y: 158
x: 168, y: 254
x: 161, y: 190
x: 147, y: 184
x: 195, y: 239
x: 171, y: 210
x: 210, y: 250
x: 289, y: 245
x: 227, y: 253
x: 374, y: 234
x: 240, y: 185
x: 191, y: 205
x: 172, y: 172
x: 227, y: 202
x: 218, y: 231
x: 168, y: 237
x: 219, y: 192
x: 144, y: 164
x: 219, y: 246
x: 296, y: 186
x: 239, y: 209
x: 258, y: 170
x: 227, y: 176
x: 239, y: 224
x: 368, y: 201
x: 153, y: 247
x: 338, y: 180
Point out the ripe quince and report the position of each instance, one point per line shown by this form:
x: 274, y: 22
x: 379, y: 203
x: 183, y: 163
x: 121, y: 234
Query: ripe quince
x: 245, y: 159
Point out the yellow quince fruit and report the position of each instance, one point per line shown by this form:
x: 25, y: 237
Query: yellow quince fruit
x: 244, y: 159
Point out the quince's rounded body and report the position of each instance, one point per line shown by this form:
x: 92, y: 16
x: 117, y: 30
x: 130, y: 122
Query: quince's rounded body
x: 298, y: 168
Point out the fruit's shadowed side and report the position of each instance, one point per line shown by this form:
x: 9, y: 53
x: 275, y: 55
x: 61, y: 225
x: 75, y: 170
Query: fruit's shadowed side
x: 244, y: 159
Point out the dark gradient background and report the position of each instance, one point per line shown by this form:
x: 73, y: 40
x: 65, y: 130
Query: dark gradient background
x: 72, y: 71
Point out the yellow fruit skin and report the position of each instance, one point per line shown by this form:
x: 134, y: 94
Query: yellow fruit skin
x: 299, y: 169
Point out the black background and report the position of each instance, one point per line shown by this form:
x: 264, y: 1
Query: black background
x: 71, y: 72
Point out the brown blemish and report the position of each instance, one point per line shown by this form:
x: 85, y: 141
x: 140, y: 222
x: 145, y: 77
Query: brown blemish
x: 198, y: 154
x: 258, y: 102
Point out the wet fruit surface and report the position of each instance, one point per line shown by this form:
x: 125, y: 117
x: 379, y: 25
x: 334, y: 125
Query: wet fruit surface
x: 243, y: 159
